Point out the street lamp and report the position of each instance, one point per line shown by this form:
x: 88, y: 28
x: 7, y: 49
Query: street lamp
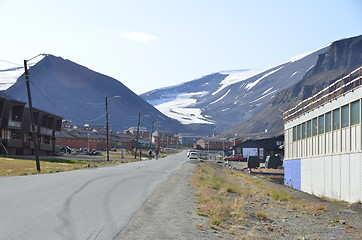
x: 107, y: 124
x: 34, y: 135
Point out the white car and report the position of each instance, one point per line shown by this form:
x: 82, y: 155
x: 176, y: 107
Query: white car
x: 193, y: 155
x: 189, y: 152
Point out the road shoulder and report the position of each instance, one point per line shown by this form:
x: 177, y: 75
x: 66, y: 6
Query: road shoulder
x: 170, y: 212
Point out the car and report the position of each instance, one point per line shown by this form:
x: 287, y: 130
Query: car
x: 235, y: 158
x: 189, y: 152
x: 193, y: 155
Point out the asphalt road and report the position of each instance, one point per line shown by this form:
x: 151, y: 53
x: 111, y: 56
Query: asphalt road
x: 92, y: 203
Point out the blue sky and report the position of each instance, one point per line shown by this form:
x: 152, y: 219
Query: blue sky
x: 149, y: 44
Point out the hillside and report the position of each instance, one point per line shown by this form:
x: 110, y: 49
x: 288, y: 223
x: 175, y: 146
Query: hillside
x: 225, y: 99
x: 342, y: 57
x: 78, y: 94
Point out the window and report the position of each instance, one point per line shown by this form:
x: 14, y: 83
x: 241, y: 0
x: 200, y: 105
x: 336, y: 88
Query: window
x: 309, y: 128
x: 321, y: 124
x: 294, y: 133
x: 355, y: 112
x: 304, y: 132
x: 299, y: 132
x: 336, y: 119
x: 345, y: 116
x: 314, y: 127
x: 328, y: 123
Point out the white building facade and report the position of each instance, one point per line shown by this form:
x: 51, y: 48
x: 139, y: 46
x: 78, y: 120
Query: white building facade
x: 323, y: 146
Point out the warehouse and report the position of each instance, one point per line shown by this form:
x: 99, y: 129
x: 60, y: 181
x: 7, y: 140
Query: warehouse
x: 323, y: 147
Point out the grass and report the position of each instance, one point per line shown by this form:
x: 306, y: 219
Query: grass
x: 21, y: 167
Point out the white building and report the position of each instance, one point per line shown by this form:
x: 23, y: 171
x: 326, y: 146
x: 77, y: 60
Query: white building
x: 323, y: 147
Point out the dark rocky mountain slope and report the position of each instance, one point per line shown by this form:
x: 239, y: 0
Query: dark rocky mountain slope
x: 342, y: 57
x: 78, y: 94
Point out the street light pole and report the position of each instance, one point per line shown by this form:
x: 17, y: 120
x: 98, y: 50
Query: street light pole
x: 34, y: 135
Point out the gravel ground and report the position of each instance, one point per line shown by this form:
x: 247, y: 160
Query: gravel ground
x: 170, y: 213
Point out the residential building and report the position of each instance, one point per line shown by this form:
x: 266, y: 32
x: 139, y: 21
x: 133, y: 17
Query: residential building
x: 142, y: 132
x: 16, y: 134
x: 213, y: 144
x: 323, y: 146
x: 165, y: 139
x: 260, y: 147
x: 187, y: 139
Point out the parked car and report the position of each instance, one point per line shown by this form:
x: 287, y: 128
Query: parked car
x: 65, y: 149
x: 193, y: 155
x: 189, y: 152
x: 235, y: 158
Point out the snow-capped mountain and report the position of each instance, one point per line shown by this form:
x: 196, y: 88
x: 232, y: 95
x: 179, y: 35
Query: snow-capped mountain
x: 228, y: 98
x: 8, y: 76
x: 341, y: 58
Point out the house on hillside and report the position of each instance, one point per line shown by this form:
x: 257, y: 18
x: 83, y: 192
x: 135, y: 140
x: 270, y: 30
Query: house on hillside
x: 323, y: 141
x: 260, y: 147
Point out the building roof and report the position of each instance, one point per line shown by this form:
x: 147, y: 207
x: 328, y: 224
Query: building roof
x: 267, y: 143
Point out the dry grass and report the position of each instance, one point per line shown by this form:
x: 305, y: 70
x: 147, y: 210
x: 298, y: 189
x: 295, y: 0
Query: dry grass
x: 19, y: 167
x: 222, y: 194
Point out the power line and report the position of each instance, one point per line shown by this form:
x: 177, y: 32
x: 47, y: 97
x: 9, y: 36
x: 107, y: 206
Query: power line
x: 10, y: 62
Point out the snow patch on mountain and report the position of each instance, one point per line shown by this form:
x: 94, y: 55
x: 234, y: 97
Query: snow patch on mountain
x: 252, y: 84
x: 181, y: 109
x: 9, y: 76
x: 303, y: 55
x: 221, y: 97
x: 237, y: 76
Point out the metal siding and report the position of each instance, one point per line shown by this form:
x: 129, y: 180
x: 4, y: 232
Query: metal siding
x: 356, y: 178
x: 292, y: 173
x: 321, y: 140
x: 336, y: 177
x: 317, y: 173
x: 328, y: 178
x: 328, y: 142
x: 358, y: 137
x: 306, y: 175
x: 345, y: 177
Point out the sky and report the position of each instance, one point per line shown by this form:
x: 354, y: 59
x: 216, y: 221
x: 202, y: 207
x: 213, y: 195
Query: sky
x: 150, y: 44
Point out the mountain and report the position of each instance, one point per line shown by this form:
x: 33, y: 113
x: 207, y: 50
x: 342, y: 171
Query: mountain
x: 341, y: 58
x: 78, y: 94
x: 223, y: 100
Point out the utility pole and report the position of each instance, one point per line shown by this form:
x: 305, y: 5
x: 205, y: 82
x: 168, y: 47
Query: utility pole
x: 33, y: 132
x: 107, y: 129
x: 137, y: 135
x: 153, y: 123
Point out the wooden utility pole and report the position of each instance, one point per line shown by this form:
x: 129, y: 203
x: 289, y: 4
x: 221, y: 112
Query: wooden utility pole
x: 153, y: 123
x: 33, y: 131
x: 137, y: 135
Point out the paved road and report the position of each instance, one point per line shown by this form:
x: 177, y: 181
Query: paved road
x: 84, y: 204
